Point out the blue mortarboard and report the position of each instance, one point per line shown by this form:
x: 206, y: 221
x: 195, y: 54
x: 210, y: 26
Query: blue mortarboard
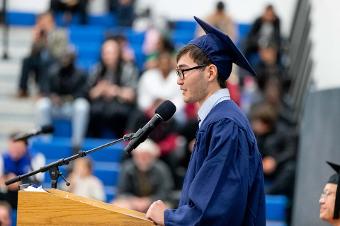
x: 220, y: 50
x: 335, y: 179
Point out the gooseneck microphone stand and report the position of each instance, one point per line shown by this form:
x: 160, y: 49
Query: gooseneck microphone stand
x: 53, y: 167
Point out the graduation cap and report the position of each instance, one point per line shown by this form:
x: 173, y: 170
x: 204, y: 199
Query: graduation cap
x: 335, y: 179
x: 220, y: 49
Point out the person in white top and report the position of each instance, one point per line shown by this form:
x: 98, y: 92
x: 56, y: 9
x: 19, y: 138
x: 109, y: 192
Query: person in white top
x: 83, y: 182
x: 159, y: 84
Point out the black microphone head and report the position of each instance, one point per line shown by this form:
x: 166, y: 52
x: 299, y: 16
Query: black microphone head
x: 166, y: 110
x: 47, y: 129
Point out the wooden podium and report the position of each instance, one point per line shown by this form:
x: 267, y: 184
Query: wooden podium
x: 56, y: 207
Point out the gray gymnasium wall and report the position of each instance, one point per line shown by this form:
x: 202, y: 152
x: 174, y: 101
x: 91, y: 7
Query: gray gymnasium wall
x: 319, y: 142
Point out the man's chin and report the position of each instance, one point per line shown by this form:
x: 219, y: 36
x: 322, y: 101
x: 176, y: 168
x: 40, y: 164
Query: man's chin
x: 322, y: 216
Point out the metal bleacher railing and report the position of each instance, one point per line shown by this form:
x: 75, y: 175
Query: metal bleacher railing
x: 299, y: 54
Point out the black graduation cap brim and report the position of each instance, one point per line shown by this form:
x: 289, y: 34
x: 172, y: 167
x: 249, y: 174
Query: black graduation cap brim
x: 335, y: 179
x: 231, y: 53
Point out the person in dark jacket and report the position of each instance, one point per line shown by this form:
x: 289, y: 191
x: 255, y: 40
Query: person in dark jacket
x: 65, y: 98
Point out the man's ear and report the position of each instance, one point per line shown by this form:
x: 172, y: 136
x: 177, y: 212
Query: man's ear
x: 212, y: 72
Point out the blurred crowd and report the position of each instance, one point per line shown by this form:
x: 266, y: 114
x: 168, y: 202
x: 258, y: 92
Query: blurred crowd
x: 116, y: 97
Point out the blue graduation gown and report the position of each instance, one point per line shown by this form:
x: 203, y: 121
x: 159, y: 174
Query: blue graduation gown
x: 224, y: 181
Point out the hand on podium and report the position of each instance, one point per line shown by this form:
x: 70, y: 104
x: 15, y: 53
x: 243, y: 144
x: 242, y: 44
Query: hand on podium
x: 156, y: 212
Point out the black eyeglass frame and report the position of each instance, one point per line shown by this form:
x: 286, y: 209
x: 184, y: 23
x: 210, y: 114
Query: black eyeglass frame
x: 180, y: 72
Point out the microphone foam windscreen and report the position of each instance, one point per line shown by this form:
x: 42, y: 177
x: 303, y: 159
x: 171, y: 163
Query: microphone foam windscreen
x: 47, y: 129
x: 166, y: 110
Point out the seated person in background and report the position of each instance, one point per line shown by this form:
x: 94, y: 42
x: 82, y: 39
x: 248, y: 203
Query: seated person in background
x: 5, y: 214
x: 49, y: 43
x: 221, y: 19
x: 155, y: 43
x: 266, y: 29
x: 15, y: 161
x: 70, y: 7
x: 83, y: 182
x: 144, y: 179
x: 65, y: 97
x: 277, y: 148
x: 269, y: 66
x: 330, y: 199
x: 112, y: 91
x: 159, y: 84
x: 125, y: 13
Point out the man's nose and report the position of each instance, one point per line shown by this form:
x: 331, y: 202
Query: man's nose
x: 180, y: 81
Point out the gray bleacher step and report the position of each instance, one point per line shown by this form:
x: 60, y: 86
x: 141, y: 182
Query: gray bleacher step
x: 9, y: 67
x: 15, y: 114
x: 7, y: 89
x: 18, y: 34
x: 17, y: 106
x: 8, y: 126
x: 16, y: 53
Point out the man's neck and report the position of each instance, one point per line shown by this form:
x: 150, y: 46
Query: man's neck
x: 210, y: 92
x: 336, y: 222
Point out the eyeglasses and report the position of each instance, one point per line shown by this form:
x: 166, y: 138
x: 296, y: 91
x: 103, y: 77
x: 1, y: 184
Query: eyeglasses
x: 180, y: 72
x: 326, y: 194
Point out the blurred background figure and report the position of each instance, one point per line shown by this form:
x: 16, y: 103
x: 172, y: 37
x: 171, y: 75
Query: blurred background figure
x: 49, y: 43
x: 65, y: 98
x: 83, y: 182
x: 124, y: 11
x: 277, y: 148
x: 221, y: 19
x: 159, y: 84
x: 266, y: 29
x: 17, y: 160
x: 143, y: 179
x: 5, y: 214
x: 156, y: 42
x: 112, y: 91
x: 69, y: 8
x: 329, y: 200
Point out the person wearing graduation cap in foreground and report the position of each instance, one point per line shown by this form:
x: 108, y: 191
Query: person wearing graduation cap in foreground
x: 224, y: 181
x: 330, y: 198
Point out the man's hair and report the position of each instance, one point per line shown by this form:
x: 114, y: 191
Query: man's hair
x: 200, y: 58
x: 220, y: 6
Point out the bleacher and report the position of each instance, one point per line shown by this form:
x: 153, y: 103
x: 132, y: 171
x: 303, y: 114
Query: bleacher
x: 87, y: 40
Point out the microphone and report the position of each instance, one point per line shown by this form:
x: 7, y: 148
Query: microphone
x: 163, y: 113
x: 42, y: 130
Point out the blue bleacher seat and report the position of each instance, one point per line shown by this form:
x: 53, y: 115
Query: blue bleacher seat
x: 20, y: 18
x: 139, y: 56
x: 110, y: 193
x: 107, y: 20
x: 14, y: 217
x: 243, y: 30
x: 88, y: 49
x: 52, y: 148
x: 62, y: 127
x: 276, y: 207
x: 109, y: 178
x: 187, y: 25
x: 181, y: 37
x: 93, y: 34
x: 134, y: 37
